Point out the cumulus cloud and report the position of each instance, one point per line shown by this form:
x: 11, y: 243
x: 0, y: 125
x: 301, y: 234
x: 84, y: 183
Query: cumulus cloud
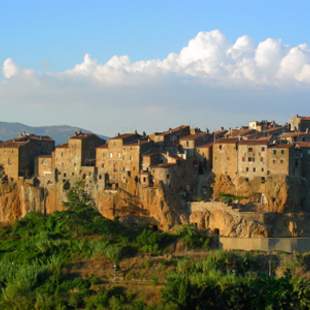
x: 209, y: 55
x: 9, y: 68
x: 210, y: 74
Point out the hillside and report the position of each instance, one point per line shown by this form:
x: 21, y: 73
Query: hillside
x: 59, y: 133
x: 77, y: 259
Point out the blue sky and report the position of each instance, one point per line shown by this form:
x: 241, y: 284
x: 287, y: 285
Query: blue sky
x: 56, y: 34
x: 121, y: 65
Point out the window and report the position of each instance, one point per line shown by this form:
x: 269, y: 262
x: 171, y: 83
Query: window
x: 254, y: 169
x: 263, y: 149
x: 274, y: 152
x: 263, y: 169
x: 250, y: 149
x: 247, y: 169
x: 243, y: 158
x: 220, y: 146
x: 261, y: 159
x: 281, y: 161
x: 249, y: 159
x: 263, y: 179
x: 282, y: 152
x: 274, y: 161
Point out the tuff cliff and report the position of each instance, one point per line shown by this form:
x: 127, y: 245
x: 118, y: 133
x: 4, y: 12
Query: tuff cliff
x: 149, y: 205
x: 165, y: 208
x: 233, y: 222
x: 277, y: 194
x: 17, y: 199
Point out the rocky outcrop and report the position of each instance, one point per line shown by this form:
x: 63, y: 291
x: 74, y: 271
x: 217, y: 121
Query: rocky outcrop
x: 17, y: 199
x: 227, y: 222
x: 150, y: 205
x: 277, y: 194
x: 162, y: 207
x: 233, y: 222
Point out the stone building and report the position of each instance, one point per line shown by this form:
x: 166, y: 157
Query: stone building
x: 255, y: 158
x: 191, y: 142
x: 300, y: 123
x: 44, y: 169
x: 204, y: 156
x: 120, y: 159
x: 284, y: 159
x: 262, y: 125
x: 76, y: 159
x: 304, y: 148
x: 225, y: 157
x: 17, y: 156
x: 170, y: 137
x: 252, y: 158
x: 296, y: 136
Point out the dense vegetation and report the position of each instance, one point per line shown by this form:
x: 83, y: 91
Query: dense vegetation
x: 38, y: 254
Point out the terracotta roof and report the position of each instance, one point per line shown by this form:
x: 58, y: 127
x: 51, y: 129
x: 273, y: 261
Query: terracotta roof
x: 226, y: 141
x: 303, y: 144
x: 103, y: 146
x: 166, y: 166
x: 19, y: 141
x: 45, y: 156
x: 171, y: 130
x: 62, y: 146
x: 272, y: 129
x: 196, y: 136
x: 83, y: 135
x: 137, y: 142
x: 281, y: 146
x: 126, y: 136
x: 305, y: 118
x: 240, y: 132
x: 210, y: 144
x: 295, y: 134
x: 254, y: 142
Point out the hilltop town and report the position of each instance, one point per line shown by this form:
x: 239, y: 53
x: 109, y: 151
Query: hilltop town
x: 166, y: 178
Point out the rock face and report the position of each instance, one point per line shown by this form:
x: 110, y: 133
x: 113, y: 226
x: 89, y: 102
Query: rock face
x: 149, y: 205
x: 230, y: 222
x: 226, y: 221
x: 165, y: 208
x: 17, y: 199
x: 274, y: 194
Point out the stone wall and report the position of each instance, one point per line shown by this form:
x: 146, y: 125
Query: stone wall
x: 289, y: 245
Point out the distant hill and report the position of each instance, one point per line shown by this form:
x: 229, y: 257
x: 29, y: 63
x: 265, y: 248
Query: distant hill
x: 59, y: 133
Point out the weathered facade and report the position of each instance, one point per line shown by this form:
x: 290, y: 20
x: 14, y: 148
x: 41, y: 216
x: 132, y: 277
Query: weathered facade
x: 17, y: 157
x: 300, y: 123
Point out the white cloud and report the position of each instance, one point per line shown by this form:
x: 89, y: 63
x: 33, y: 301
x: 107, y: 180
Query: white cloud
x: 210, y: 56
x: 208, y: 75
x: 9, y: 68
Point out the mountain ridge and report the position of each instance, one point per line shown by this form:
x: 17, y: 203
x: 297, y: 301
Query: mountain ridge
x: 60, y: 133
